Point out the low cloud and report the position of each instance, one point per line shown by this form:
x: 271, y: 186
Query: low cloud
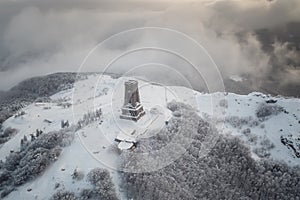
x: 50, y: 36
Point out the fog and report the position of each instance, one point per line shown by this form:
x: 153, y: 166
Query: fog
x: 42, y: 37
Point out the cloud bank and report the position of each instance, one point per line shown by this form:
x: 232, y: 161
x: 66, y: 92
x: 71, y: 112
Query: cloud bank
x: 42, y: 37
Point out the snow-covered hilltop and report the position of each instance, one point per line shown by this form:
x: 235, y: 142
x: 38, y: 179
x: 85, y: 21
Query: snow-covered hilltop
x: 269, y: 126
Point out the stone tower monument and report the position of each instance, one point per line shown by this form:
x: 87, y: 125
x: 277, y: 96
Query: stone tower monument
x: 132, y: 108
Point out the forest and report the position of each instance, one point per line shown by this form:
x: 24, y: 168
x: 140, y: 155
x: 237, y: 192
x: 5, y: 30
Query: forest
x: 227, y: 171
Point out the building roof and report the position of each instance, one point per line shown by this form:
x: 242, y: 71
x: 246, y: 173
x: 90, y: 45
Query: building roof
x: 129, y: 136
x: 125, y: 145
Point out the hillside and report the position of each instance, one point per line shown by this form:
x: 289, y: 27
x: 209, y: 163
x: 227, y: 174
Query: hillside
x: 195, y: 142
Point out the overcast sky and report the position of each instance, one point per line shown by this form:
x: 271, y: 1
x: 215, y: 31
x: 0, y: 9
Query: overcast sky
x: 44, y: 36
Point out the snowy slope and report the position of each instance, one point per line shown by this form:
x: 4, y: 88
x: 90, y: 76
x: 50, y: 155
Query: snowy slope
x: 285, y: 124
x: 94, y: 144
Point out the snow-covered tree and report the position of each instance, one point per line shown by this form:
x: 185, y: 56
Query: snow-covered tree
x: 265, y: 110
x: 33, y: 158
x: 227, y: 172
x: 64, y: 195
x: 103, y: 185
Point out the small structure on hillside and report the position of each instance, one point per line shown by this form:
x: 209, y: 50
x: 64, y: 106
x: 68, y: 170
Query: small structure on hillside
x: 132, y: 108
x: 126, y: 140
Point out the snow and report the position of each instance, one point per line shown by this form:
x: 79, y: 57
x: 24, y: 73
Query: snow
x: 281, y: 124
x: 125, y: 145
x: 93, y: 144
x: 129, y: 136
x: 236, y: 78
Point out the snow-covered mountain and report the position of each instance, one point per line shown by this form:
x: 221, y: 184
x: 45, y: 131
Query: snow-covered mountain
x: 269, y: 126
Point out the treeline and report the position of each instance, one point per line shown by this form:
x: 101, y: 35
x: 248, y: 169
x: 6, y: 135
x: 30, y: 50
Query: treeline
x: 227, y: 172
x: 32, y: 159
x: 42, y: 86
x: 39, y: 152
x: 29, y: 90
x: 7, y: 134
x: 102, y: 188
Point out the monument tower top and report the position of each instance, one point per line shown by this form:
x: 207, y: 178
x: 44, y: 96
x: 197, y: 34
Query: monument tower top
x: 132, y: 108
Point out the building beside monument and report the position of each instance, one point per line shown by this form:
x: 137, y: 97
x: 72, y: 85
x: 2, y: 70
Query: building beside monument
x: 132, y: 108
